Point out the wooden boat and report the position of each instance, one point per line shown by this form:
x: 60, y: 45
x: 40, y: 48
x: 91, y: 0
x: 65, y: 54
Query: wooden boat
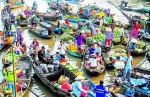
x: 23, y: 23
x: 51, y: 18
x: 141, y: 84
x: 7, y: 57
x: 24, y: 63
x: 135, y: 52
x: 83, y: 16
x: 17, y: 6
x: 94, y: 71
x: 36, y: 32
x: 117, y: 41
x: 113, y: 54
x: 74, y: 54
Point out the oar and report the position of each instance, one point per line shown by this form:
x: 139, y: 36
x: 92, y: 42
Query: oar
x: 141, y: 63
x: 29, y: 89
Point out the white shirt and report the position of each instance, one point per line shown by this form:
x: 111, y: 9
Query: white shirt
x: 93, y: 62
x: 62, y: 22
x: 62, y: 49
x: 121, y: 32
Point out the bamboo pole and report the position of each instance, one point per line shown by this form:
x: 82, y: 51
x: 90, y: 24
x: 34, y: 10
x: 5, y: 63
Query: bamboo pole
x: 13, y: 61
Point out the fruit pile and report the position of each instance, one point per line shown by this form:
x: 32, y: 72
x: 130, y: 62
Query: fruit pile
x: 140, y: 45
x: 116, y: 54
x: 73, y: 47
x: 75, y: 17
x: 118, y: 39
x: 96, y: 38
x: 72, y: 68
x: 148, y: 50
x: 67, y: 30
x: 67, y: 37
x: 117, y: 32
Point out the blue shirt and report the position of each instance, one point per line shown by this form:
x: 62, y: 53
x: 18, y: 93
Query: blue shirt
x: 34, y: 4
x: 129, y: 92
x: 98, y: 50
x: 128, y: 64
x: 91, y: 51
x: 132, y: 45
x: 101, y: 91
x: 47, y: 54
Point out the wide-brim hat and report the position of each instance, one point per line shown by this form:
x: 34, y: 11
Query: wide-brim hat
x: 9, y: 68
x: 80, y: 77
x: 134, y: 40
x: 18, y: 27
x: 49, y: 49
x: 108, y: 29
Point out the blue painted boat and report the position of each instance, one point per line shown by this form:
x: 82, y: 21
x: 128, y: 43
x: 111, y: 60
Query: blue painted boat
x: 74, y: 54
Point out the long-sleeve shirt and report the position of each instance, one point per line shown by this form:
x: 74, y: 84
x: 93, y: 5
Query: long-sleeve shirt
x: 129, y: 92
x: 77, y: 88
x: 19, y: 35
x: 91, y: 51
x: 80, y: 40
x: 41, y: 55
x: 100, y: 91
x: 108, y: 35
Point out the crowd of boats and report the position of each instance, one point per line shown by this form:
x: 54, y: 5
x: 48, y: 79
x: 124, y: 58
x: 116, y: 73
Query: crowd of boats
x: 94, y: 26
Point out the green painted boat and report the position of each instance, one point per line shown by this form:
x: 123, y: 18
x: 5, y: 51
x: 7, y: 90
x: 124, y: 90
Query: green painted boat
x: 74, y: 54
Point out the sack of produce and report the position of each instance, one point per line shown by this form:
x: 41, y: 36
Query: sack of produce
x: 66, y: 86
x: 63, y: 79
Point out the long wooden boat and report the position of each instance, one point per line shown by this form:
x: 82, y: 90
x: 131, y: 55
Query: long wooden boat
x: 36, y: 32
x: 16, y: 6
x: 79, y: 55
x: 137, y: 53
x: 141, y: 84
x: 98, y: 71
x: 7, y: 57
x: 23, y: 23
x: 51, y: 18
x: 83, y: 16
x: 24, y: 63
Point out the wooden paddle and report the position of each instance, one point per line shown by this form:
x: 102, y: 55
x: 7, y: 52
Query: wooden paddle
x: 29, y: 89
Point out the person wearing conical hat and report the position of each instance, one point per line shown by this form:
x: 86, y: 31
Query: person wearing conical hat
x: 77, y: 86
x: 19, y: 35
x: 108, y: 33
x: 8, y: 72
x: 133, y: 44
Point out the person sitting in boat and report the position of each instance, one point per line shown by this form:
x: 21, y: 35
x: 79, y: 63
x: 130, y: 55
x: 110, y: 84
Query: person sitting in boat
x: 80, y: 24
x: 93, y: 62
x: 133, y: 44
x: 92, y: 28
x: 18, y: 49
x: 130, y: 92
x: 124, y: 2
x: 108, y: 38
x: 67, y: 22
x: 61, y: 23
x: 8, y: 40
x: 50, y: 31
x: 48, y: 55
x: 98, y: 48
x: 57, y: 13
x: 33, y: 45
x: 92, y: 49
x: 41, y: 54
x: 78, y: 87
x: 33, y: 23
x: 27, y: 13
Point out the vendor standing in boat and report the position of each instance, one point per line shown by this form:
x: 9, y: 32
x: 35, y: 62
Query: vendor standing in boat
x: 7, y: 27
x: 50, y: 31
x: 128, y: 60
x: 80, y: 40
x: 122, y: 31
x: 34, y: 6
x: 108, y: 33
x: 19, y: 35
x: 8, y: 72
x: 62, y: 49
x: 135, y: 30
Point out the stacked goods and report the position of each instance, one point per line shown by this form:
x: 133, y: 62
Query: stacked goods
x: 96, y: 38
x: 73, y: 47
x: 140, y: 46
x: 75, y: 17
x: 67, y: 37
x: 116, y: 54
x: 17, y: 3
x: 75, y: 70
x: 8, y: 57
x: 117, y: 32
x: 67, y: 30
